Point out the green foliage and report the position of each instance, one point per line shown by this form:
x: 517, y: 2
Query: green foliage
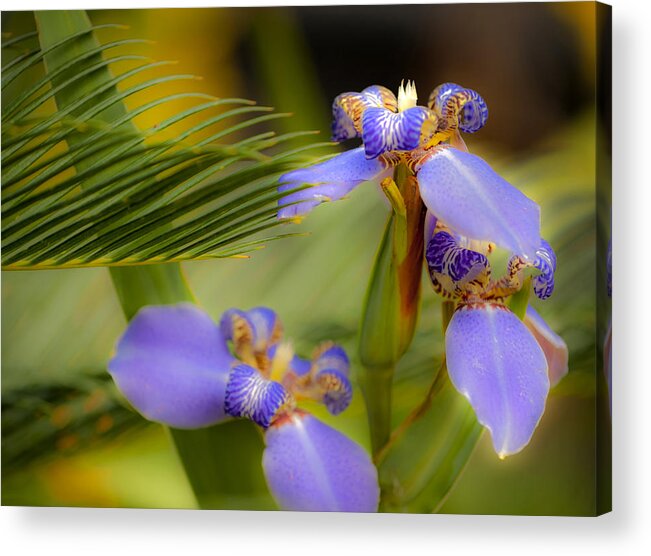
x: 82, y: 186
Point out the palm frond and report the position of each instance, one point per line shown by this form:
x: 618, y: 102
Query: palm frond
x: 41, y: 420
x: 82, y: 186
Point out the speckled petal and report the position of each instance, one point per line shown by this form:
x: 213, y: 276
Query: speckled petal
x: 310, y: 466
x: 495, y: 362
x: 331, y: 180
x: 383, y: 130
x: 250, y: 395
x: 552, y: 344
x: 467, y: 195
x: 172, y: 365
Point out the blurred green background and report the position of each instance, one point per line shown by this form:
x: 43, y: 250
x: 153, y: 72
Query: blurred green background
x: 68, y: 440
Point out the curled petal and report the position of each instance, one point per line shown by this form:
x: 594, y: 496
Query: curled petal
x: 172, y: 365
x: 552, y: 344
x: 444, y: 256
x: 332, y: 357
x: 263, y: 327
x: 383, y: 130
x: 456, y: 106
x: 496, y: 363
x: 347, y: 110
x: 310, y: 466
x: 337, y: 390
x: 331, y: 180
x: 250, y: 395
x: 545, y: 261
x: 464, y: 192
x: 543, y: 283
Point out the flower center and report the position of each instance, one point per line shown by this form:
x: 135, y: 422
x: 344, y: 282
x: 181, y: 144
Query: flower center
x: 407, y: 96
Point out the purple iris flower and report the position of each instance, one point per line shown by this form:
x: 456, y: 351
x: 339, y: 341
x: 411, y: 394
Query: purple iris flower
x: 504, y: 366
x: 174, y: 365
x: 457, y: 187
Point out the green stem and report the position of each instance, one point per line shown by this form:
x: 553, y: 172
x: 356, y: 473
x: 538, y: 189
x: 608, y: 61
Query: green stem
x: 376, y: 384
x: 392, y: 301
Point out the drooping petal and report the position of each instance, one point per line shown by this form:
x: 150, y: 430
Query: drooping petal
x: 456, y: 105
x: 250, y: 395
x: 331, y: 180
x: 467, y: 195
x: 172, y: 365
x: 496, y: 363
x: 384, y: 131
x: 337, y: 390
x: 552, y: 344
x: 347, y: 110
x: 310, y: 466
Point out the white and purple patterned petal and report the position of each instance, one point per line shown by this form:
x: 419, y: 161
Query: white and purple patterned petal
x: 250, y: 395
x: 545, y: 261
x: 331, y: 180
x: 552, y: 344
x: 497, y: 364
x: 172, y: 365
x: 465, y: 193
x: 310, y: 466
x: 383, y: 130
x: 347, y: 110
x: 444, y: 256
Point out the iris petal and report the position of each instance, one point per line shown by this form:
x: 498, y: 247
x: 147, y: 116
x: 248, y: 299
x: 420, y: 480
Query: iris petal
x: 264, y: 326
x: 445, y: 256
x: 552, y: 344
x: 332, y: 357
x: 172, y: 365
x: 495, y: 362
x: 456, y: 105
x: 383, y: 130
x: 337, y: 390
x: 331, y: 180
x: 250, y: 395
x: 310, y: 466
x: 347, y: 110
x: 466, y: 194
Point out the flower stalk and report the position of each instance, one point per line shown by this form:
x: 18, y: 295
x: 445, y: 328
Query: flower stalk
x: 392, y: 300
